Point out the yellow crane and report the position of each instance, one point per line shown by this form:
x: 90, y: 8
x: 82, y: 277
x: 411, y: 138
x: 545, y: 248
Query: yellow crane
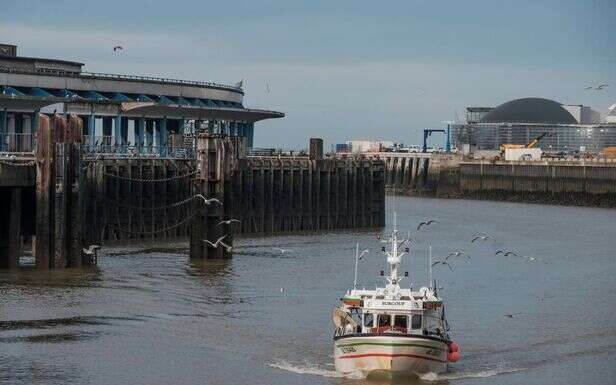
x: 531, y: 144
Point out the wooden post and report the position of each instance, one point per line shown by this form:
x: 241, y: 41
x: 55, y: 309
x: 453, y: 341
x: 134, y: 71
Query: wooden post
x: 212, y: 154
x: 45, y: 184
x: 14, y: 228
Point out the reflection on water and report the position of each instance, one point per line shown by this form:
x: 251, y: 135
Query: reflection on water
x: 148, y: 314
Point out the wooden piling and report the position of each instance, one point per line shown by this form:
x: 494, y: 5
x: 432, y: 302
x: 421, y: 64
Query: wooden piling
x: 45, y: 178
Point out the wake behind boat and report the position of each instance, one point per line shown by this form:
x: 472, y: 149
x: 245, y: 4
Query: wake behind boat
x: 391, y: 328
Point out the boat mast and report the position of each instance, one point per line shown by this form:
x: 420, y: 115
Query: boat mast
x: 356, y: 261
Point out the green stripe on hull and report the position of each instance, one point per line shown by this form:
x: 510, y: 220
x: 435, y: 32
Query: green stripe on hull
x: 389, y: 344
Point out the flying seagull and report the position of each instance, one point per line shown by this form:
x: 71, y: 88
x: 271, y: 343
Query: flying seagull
x: 456, y: 254
x: 207, y: 201
x: 117, y: 48
x: 442, y: 263
x: 267, y: 87
x: 228, y: 222
x: 362, y: 254
x: 426, y: 223
x: 482, y: 237
x: 218, y: 242
x: 282, y: 251
x: 506, y: 253
x: 511, y: 315
x: 597, y: 88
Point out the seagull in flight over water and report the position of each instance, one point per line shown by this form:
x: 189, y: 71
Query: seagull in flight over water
x: 218, y: 242
x: 512, y: 314
x: 441, y: 263
x: 456, y: 254
x: 506, y: 253
x: 597, y: 88
x: 228, y: 222
x: 282, y: 251
x: 208, y: 201
x: 426, y: 223
x: 481, y: 237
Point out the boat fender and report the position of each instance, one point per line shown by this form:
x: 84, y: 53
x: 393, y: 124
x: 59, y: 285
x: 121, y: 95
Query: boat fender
x: 453, y: 356
x: 453, y: 347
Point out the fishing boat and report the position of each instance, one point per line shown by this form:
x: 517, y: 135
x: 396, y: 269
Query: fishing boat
x: 390, y: 328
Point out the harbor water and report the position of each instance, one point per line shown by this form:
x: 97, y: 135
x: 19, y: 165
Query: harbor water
x: 150, y: 315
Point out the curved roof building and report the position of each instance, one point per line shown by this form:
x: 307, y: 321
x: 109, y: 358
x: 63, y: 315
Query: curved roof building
x: 570, y: 127
x: 122, y: 107
x: 530, y: 110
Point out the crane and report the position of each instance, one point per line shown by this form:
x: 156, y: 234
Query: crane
x: 428, y: 132
x: 532, y: 143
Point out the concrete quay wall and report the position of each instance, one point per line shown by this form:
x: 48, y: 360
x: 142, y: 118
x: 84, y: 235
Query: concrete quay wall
x: 588, y: 183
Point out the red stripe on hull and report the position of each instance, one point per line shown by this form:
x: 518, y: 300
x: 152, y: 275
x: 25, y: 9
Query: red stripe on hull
x: 392, y: 356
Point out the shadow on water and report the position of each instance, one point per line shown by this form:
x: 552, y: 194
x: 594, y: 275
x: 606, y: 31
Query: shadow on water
x: 214, y: 270
x: 68, y: 278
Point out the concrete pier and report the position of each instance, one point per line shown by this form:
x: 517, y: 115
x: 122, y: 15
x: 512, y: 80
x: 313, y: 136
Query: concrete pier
x: 584, y: 182
x: 128, y: 193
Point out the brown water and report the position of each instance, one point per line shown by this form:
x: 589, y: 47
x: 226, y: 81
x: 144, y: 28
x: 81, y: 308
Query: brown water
x: 152, y: 316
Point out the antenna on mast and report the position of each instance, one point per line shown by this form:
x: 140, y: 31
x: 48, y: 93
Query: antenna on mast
x: 430, y: 266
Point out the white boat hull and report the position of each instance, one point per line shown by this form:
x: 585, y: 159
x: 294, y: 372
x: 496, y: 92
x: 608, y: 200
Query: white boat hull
x: 396, y: 353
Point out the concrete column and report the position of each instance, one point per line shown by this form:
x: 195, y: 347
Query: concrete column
x: 92, y: 129
x: 162, y: 137
x: 117, y: 130
x: 149, y: 134
x: 3, y: 128
x: 124, y: 131
x: 250, y: 135
x: 140, y: 133
x: 181, y: 124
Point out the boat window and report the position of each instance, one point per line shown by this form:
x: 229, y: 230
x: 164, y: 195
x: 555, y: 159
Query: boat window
x: 401, y: 321
x: 384, y: 320
x: 368, y: 320
x: 416, y: 321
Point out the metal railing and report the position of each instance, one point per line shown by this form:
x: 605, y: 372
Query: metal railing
x: 86, y: 76
x: 17, y: 142
x: 109, y: 146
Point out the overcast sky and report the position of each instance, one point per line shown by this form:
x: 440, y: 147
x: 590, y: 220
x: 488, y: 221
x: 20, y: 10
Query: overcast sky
x: 340, y: 69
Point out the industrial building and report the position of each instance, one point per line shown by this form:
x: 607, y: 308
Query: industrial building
x: 569, y: 127
x: 117, y: 110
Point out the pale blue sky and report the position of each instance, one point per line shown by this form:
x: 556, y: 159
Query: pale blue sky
x: 340, y: 69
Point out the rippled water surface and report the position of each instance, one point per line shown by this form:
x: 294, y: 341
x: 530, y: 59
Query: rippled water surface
x: 149, y: 315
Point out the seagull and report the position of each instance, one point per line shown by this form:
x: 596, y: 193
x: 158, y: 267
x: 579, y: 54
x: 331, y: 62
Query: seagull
x: 482, y: 237
x: 91, y: 250
x: 282, y: 251
x: 506, y: 253
x: 427, y: 223
x: 511, y: 315
x: 456, y: 254
x: 362, y: 254
x: 267, y: 87
x: 597, y: 88
x: 207, y: 201
x: 442, y: 263
x: 228, y: 222
x: 218, y: 242
x: 117, y: 48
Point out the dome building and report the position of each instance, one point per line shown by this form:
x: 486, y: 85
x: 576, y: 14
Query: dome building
x: 569, y: 127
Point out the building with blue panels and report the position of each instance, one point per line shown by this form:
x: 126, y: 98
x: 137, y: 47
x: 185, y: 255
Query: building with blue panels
x: 117, y: 110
